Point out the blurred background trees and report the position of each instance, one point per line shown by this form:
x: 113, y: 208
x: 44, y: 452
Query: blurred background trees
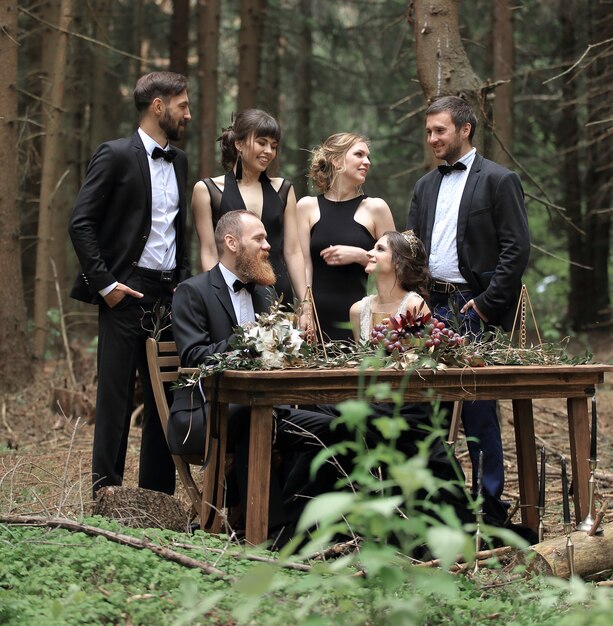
x: 539, y: 72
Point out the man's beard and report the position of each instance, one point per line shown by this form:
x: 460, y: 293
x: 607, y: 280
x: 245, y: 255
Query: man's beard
x: 173, y: 130
x: 255, y: 268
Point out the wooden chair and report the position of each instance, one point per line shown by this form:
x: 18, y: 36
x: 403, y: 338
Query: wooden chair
x: 163, y: 362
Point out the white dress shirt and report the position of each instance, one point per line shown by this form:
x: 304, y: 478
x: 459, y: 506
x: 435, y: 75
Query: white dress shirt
x: 241, y: 300
x: 443, y: 261
x: 161, y: 247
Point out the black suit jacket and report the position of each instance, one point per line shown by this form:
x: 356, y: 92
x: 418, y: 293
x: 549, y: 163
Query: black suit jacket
x: 203, y: 317
x: 493, y: 240
x: 111, y: 219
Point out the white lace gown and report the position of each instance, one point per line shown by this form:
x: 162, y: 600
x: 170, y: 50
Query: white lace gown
x: 366, y: 312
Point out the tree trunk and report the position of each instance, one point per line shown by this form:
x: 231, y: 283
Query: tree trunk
x: 179, y: 44
x: 304, y: 89
x: 443, y: 68
x: 252, y: 14
x: 104, y: 87
x: 568, y: 136
x: 208, y: 59
x: 270, y: 93
x: 598, y: 179
x: 503, y: 49
x: 179, y: 37
x: 15, y: 365
x: 49, y: 184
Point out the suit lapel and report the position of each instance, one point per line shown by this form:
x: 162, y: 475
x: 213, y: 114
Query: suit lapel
x: 431, y: 197
x: 143, y: 164
x: 467, y: 196
x: 221, y: 293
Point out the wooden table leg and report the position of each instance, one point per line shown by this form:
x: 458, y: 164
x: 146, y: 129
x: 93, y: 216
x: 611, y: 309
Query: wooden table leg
x: 525, y: 444
x: 579, y: 436
x: 258, y: 482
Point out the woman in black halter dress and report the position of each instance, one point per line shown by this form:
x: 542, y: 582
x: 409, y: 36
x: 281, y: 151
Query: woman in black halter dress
x: 338, y: 228
x: 248, y: 148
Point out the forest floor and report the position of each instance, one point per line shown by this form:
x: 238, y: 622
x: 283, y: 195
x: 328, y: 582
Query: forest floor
x: 45, y: 456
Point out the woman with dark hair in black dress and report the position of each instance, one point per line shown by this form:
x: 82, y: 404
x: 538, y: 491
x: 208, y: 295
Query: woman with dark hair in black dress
x: 248, y: 148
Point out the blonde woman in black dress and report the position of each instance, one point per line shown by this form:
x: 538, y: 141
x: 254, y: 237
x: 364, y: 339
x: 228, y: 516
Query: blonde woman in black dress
x: 338, y: 228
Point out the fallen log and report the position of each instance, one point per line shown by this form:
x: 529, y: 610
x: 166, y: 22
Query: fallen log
x: 592, y: 555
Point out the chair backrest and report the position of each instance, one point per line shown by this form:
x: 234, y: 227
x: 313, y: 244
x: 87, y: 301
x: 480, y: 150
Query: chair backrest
x: 163, y: 361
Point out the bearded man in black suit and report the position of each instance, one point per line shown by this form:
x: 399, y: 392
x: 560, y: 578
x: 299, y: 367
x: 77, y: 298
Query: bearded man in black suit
x: 128, y: 231
x: 206, y: 309
x: 471, y: 217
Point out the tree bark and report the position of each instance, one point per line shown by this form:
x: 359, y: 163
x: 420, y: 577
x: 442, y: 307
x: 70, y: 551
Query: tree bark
x: 443, y: 68
x: 179, y: 37
x: 270, y: 94
x: 568, y: 146
x: 15, y: 364
x: 252, y: 13
x: 208, y: 72
x: 598, y: 181
x: 304, y: 89
x: 503, y: 49
x: 104, y: 87
x: 49, y: 184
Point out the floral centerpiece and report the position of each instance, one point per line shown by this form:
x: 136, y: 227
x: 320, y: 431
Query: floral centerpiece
x: 411, y: 340
x: 412, y: 336
x: 271, y: 342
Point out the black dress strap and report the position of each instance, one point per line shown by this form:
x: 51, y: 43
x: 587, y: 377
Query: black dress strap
x: 284, y: 191
x: 215, y: 194
x: 231, y: 199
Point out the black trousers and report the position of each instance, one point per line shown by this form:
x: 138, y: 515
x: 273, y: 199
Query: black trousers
x: 299, y: 435
x: 122, y: 333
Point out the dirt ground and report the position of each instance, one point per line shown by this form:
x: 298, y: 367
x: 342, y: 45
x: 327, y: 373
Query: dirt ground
x: 45, y: 456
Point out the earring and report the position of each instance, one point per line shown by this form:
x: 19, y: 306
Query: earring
x: 239, y: 167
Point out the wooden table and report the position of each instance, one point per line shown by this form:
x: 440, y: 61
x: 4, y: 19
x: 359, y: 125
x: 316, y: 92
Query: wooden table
x: 521, y: 384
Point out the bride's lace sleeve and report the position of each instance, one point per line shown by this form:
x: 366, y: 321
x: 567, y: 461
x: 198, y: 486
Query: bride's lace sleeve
x: 365, y: 317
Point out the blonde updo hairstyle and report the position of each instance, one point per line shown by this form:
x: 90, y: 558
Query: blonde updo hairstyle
x: 328, y: 159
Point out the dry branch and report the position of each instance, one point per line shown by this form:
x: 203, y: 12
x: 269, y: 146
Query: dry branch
x: 126, y: 540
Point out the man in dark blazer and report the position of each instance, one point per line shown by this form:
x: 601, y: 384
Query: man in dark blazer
x: 128, y: 231
x: 471, y: 217
x: 205, y: 311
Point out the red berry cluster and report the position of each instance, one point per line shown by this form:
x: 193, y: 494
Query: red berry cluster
x: 441, y: 335
x: 406, y: 332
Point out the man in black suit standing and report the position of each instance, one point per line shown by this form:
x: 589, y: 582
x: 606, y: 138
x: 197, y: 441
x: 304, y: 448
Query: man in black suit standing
x: 128, y: 231
x: 471, y: 217
x: 205, y: 311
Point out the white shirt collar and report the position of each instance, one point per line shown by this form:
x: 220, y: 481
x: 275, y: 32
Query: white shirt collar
x: 148, y: 142
x: 228, y: 276
x: 468, y: 158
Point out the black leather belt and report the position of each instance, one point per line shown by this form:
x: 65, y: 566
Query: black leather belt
x: 442, y: 286
x: 163, y: 276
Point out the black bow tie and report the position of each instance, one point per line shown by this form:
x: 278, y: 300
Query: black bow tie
x: 167, y: 155
x: 447, y: 169
x: 239, y: 284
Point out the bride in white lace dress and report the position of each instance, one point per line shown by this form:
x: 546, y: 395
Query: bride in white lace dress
x: 399, y: 265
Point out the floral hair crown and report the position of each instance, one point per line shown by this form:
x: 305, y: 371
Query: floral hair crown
x: 411, y: 238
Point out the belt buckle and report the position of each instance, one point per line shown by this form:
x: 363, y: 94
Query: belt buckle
x: 167, y: 276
